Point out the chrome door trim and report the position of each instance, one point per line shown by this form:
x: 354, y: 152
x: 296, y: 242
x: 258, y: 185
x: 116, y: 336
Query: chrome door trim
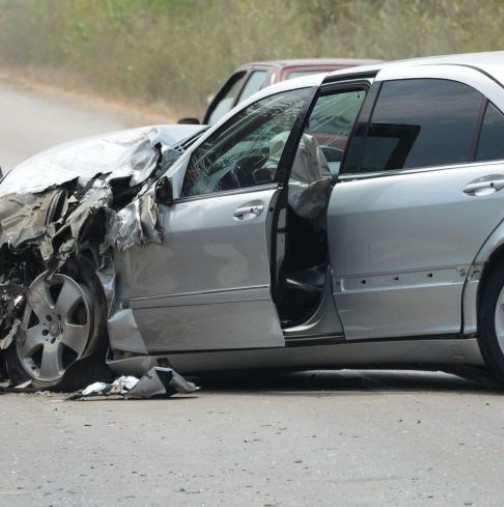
x: 218, y: 296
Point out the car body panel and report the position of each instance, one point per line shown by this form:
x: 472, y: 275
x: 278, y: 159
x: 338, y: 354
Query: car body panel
x: 208, y: 278
x: 411, y: 354
x: 401, y: 247
x: 412, y: 234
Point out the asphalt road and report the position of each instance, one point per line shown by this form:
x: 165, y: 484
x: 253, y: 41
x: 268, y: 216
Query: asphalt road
x: 320, y: 438
x: 30, y: 123
x: 343, y: 439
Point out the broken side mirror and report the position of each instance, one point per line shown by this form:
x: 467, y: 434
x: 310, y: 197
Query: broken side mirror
x: 164, y: 191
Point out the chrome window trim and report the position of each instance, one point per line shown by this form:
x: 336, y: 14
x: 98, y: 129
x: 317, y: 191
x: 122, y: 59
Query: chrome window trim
x: 416, y: 170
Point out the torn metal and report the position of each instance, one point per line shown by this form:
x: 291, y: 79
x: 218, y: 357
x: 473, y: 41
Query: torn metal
x: 157, y: 382
x: 95, y: 197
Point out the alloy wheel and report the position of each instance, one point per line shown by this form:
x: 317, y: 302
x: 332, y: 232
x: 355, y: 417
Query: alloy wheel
x: 56, y: 327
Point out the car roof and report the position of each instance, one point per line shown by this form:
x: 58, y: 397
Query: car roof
x: 491, y: 63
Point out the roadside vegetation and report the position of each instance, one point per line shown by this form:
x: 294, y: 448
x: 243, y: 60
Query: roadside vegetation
x: 178, y: 51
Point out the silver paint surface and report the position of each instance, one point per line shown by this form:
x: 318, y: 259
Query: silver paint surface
x: 210, y: 273
x: 401, y: 246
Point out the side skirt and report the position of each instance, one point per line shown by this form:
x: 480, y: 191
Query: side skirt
x: 418, y: 353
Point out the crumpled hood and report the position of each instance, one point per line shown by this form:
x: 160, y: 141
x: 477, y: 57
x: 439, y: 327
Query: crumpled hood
x: 47, y: 201
x: 121, y: 153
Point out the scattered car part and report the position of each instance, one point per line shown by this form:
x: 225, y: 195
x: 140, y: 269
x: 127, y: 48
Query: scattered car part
x: 157, y: 382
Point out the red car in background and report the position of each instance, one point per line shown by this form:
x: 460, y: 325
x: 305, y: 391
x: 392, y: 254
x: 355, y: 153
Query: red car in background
x: 251, y: 77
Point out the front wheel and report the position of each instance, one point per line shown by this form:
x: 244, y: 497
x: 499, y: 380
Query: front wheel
x: 63, y: 322
x: 491, y: 324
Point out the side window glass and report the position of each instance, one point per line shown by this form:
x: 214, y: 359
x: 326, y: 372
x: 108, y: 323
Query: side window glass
x: 226, y: 102
x: 490, y: 145
x: 418, y: 123
x: 319, y: 153
x: 331, y: 124
x: 253, y: 84
x: 245, y: 152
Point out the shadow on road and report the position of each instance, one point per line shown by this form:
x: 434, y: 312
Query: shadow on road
x: 345, y: 382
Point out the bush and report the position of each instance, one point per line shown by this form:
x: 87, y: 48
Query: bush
x: 180, y: 51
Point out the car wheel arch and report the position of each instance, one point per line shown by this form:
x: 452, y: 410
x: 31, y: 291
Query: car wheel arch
x: 493, y: 263
x: 490, y: 317
x: 487, y: 260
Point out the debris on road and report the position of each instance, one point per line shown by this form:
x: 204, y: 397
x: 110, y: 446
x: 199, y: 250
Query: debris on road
x: 157, y: 382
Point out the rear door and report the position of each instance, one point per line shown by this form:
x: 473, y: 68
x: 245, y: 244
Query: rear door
x: 418, y: 195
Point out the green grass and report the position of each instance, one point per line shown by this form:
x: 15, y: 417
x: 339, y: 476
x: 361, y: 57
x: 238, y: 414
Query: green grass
x: 180, y: 51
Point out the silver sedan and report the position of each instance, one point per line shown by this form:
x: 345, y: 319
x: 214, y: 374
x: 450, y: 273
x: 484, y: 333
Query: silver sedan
x: 347, y: 220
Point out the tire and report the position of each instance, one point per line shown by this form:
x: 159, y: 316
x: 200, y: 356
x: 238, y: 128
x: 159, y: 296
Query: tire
x: 491, y: 324
x: 63, y: 324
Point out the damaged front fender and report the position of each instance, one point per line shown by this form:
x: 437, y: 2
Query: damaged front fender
x: 88, y: 198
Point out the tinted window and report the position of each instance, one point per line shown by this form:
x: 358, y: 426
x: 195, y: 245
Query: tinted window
x: 254, y: 84
x: 418, y: 123
x: 491, y: 145
x: 239, y: 155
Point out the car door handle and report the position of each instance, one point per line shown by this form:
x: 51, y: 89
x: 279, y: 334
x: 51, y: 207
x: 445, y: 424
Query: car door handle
x: 487, y: 186
x: 249, y: 211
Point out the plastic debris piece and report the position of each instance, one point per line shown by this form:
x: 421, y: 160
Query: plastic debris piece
x: 96, y: 388
x: 156, y: 382
x: 161, y: 382
x: 6, y: 342
x: 23, y: 386
x: 123, y: 384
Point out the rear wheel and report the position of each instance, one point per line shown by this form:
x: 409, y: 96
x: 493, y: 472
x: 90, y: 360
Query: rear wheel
x: 63, y: 322
x: 491, y: 324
